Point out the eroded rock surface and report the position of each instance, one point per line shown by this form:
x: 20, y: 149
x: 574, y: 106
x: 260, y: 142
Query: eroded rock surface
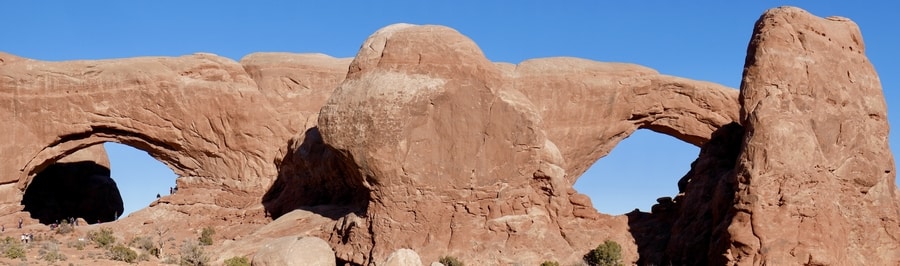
x: 455, y: 149
x: 221, y: 126
x: 421, y: 142
x: 816, y: 176
x: 295, y: 251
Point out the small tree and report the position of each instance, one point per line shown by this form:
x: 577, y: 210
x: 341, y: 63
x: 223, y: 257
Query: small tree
x: 192, y: 255
x: 206, y: 236
x: 161, y: 232
x: 607, y: 254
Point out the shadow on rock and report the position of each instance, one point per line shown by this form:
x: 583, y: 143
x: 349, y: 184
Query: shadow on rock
x: 73, y: 190
x: 692, y: 228
x: 315, y: 177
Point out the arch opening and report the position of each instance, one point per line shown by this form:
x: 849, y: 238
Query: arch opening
x: 98, y: 183
x: 642, y: 168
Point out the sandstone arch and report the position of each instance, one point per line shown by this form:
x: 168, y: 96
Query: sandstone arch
x: 220, y: 125
x: 588, y: 106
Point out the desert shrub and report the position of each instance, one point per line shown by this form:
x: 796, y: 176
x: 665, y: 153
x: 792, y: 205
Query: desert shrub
x: 65, y: 228
x: 103, y: 238
x: 76, y: 244
x: 206, y: 236
x: 14, y: 250
x: 122, y: 253
x: 549, y: 263
x: 192, y: 255
x: 450, y: 261
x: 237, y: 261
x: 607, y: 254
x: 144, y: 257
x: 170, y: 260
x: 50, y: 252
x: 146, y: 244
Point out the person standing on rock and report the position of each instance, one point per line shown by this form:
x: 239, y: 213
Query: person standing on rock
x: 20, y: 222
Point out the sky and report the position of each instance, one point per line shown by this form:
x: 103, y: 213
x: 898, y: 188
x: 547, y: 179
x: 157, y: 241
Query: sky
x: 702, y: 40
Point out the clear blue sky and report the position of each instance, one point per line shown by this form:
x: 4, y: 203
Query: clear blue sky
x: 704, y: 40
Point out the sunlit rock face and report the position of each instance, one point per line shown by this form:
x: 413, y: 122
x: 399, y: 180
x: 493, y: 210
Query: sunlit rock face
x: 421, y: 142
x: 815, y: 178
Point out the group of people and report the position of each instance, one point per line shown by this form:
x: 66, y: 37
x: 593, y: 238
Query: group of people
x: 172, y: 190
x: 71, y: 220
x: 27, y: 238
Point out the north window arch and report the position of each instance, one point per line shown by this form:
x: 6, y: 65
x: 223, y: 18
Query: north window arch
x: 87, y: 183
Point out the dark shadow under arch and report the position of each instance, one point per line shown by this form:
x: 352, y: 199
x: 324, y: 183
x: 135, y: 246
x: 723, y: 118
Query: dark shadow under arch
x: 691, y: 229
x: 315, y: 177
x: 67, y: 190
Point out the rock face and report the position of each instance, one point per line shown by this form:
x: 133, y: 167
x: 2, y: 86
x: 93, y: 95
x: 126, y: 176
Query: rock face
x: 452, y: 148
x: 816, y: 177
x: 422, y: 142
x: 295, y: 251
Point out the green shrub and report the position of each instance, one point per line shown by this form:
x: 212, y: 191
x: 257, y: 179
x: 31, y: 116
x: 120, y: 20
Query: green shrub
x: 237, y: 261
x: 550, y: 263
x: 450, y: 261
x: 122, y: 253
x: 607, y: 254
x: 192, y: 255
x: 206, y: 236
x: 103, y: 238
x: 14, y: 250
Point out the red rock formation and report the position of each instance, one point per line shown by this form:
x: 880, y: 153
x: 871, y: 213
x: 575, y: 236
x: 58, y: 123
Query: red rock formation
x: 428, y: 145
x: 454, y: 151
x: 816, y: 176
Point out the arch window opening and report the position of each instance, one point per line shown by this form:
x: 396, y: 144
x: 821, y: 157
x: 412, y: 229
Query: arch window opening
x: 97, y: 186
x: 640, y: 169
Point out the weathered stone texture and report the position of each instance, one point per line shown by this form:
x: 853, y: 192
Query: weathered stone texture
x: 816, y: 176
x: 421, y: 142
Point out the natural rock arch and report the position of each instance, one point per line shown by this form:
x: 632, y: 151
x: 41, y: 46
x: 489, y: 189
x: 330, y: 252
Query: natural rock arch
x: 488, y: 152
x: 219, y: 124
x: 419, y: 101
x: 588, y: 107
x: 72, y: 143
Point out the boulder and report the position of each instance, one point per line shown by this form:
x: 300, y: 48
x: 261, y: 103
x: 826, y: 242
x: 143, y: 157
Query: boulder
x: 403, y: 257
x: 295, y: 251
